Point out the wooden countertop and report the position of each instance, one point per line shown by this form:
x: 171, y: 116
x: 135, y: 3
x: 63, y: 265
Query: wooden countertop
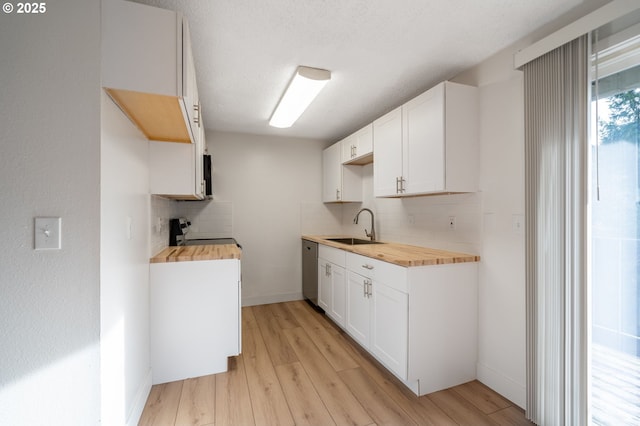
x: 189, y: 253
x: 399, y: 254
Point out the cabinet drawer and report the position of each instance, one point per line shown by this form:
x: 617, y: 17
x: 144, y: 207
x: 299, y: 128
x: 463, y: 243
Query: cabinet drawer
x: 333, y: 255
x: 362, y: 265
x: 392, y: 275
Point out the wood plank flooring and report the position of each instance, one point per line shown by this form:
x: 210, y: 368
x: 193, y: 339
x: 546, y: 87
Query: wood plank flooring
x: 298, y: 368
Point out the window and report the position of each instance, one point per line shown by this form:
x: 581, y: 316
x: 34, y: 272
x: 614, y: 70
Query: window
x: 615, y: 235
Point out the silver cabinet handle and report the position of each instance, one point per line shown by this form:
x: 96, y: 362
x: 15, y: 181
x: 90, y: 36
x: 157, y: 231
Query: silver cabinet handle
x: 196, y: 119
x: 327, y: 269
x: 367, y: 266
x: 337, y: 194
x: 400, y: 185
x: 366, y: 288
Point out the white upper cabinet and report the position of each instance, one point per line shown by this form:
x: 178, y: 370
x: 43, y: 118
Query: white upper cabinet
x: 340, y: 183
x: 147, y: 69
x: 358, y: 147
x: 428, y: 145
x: 387, y: 145
x: 176, y: 170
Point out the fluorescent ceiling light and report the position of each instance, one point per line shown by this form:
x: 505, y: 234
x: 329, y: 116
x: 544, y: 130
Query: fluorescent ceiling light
x: 302, y: 90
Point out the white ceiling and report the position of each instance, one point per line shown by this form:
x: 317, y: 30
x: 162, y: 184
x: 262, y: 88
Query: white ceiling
x: 381, y: 53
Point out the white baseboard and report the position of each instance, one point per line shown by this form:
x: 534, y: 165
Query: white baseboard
x: 275, y: 298
x: 505, y: 386
x: 141, y: 399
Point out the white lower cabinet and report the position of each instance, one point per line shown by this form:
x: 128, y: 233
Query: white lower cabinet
x: 377, y: 313
x: 195, y: 318
x: 419, y: 322
x: 325, y: 286
x: 389, y: 328
x: 332, y: 283
x: 358, y: 308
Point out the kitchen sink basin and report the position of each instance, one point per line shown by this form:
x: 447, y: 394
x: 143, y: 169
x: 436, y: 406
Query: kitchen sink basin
x: 353, y: 241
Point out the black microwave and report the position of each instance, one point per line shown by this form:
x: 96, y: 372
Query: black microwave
x: 206, y: 175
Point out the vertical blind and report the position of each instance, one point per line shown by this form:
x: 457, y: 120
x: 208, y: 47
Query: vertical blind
x: 556, y: 144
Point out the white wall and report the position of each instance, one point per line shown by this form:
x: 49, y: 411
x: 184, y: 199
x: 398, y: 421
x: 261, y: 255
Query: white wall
x: 161, y: 211
x: 261, y: 186
x: 124, y: 268
x: 502, y: 351
x: 422, y: 221
x: 50, y: 166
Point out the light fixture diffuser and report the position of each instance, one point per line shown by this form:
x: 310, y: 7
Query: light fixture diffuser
x: 302, y: 90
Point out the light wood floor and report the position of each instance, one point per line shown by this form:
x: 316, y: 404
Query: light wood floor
x: 298, y: 368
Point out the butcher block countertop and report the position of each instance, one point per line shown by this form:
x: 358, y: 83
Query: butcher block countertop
x: 399, y: 254
x: 189, y: 253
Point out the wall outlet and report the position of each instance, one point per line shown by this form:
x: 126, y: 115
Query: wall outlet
x: 452, y: 222
x: 48, y: 233
x: 517, y: 223
x: 411, y: 219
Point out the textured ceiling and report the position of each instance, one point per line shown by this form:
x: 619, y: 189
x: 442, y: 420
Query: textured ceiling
x: 381, y: 53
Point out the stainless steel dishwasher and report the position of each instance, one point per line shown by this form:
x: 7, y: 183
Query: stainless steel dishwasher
x: 310, y: 271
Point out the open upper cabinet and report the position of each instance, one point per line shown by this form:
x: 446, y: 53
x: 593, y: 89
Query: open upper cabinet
x: 148, y: 70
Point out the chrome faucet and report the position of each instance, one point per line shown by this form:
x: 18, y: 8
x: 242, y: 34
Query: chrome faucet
x: 372, y: 234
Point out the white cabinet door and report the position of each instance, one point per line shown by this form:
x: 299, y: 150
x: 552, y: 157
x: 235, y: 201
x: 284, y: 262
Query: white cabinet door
x: 387, y: 148
x: 358, y: 308
x: 324, y: 285
x: 358, y: 147
x: 428, y: 145
x: 389, y: 327
x: 194, y: 313
x: 423, y: 142
x: 148, y: 70
x: 338, y: 309
x: 347, y: 146
x: 140, y: 48
x: 340, y: 183
x: 331, y: 174
x: 175, y: 170
x: 189, y: 86
x: 364, y: 141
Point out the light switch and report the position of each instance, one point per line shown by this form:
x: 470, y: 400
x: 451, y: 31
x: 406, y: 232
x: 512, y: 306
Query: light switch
x: 47, y: 233
x: 517, y: 223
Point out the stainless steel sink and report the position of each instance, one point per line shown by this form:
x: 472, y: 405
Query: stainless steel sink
x: 353, y: 241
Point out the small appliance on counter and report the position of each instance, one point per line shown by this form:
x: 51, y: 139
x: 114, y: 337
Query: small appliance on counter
x: 178, y: 229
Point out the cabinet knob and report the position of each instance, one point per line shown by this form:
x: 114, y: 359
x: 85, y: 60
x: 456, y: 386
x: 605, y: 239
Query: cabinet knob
x: 367, y: 266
